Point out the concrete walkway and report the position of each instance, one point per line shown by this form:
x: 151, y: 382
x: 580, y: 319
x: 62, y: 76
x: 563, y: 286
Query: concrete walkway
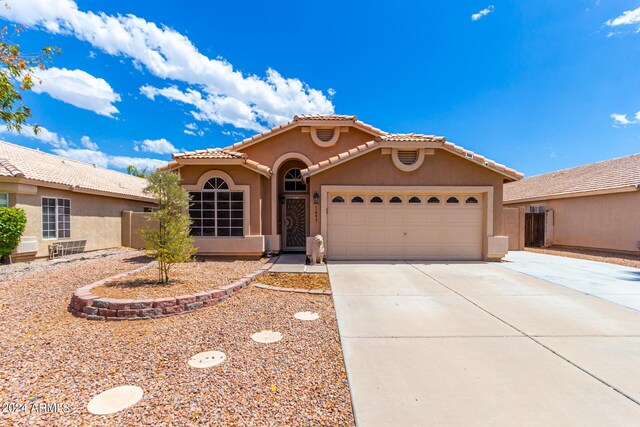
x: 612, y: 282
x: 480, y: 344
x: 296, y: 263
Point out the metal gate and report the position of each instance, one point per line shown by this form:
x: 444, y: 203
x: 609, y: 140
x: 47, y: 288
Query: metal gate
x: 534, y: 229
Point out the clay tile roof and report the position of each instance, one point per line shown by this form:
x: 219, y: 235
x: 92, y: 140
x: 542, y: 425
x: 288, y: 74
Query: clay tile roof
x: 605, y: 175
x: 210, y: 153
x: 418, y: 139
x: 25, y: 163
x: 304, y: 118
x: 324, y: 117
x: 411, y: 137
x: 217, y: 153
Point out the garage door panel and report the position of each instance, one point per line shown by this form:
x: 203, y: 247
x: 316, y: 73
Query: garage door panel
x: 405, y: 231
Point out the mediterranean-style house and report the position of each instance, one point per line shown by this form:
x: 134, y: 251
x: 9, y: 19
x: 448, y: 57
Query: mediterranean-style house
x: 591, y: 206
x: 370, y: 194
x: 70, y: 206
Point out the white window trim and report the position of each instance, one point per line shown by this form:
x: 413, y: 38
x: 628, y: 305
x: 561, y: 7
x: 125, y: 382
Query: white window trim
x: 56, y: 220
x: 232, y: 187
x: 6, y: 194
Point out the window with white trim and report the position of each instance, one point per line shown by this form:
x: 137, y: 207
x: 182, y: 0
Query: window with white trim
x: 4, y: 200
x: 56, y: 218
x: 216, y: 211
x: 293, y: 181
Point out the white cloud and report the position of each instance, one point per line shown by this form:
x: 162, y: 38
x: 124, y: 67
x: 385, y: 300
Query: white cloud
x: 629, y: 17
x: 43, y: 135
x: 84, y: 155
x: 92, y: 54
x: 228, y: 96
x: 106, y: 160
x: 121, y: 162
x: 158, y: 146
x: 88, y: 143
x: 218, y: 109
x: 621, y: 119
x: 484, y: 12
x: 78, y: 88
x: 191, y: 126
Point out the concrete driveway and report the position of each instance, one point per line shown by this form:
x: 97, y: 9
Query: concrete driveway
x: 480, y: 344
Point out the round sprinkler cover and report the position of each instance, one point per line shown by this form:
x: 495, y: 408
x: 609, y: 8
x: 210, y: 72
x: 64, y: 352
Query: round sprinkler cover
x: 115, y: 399
x: 306, y: 315
x: 266, y: 337
x: 207, y: 359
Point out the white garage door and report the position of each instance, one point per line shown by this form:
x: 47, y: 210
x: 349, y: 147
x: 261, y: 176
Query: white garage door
x: 404, y: 226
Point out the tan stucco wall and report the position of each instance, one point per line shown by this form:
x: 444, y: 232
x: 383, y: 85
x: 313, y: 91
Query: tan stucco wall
x: 609, y: 221
x: 295, y: 141
x: 132, y: 225
x: 96, y: 219
x: 439, y: 169
x: 513, y: 227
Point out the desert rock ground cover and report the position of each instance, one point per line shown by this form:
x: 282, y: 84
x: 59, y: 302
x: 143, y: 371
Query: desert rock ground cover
x: 186, y: 278
x: 628, y: 260
x: 49, y: 356
x: 318, y: 281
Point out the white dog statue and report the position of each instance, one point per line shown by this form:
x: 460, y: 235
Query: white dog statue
x: 317, y: 250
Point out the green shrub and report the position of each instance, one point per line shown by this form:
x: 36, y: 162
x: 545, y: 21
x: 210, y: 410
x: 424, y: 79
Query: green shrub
x: 12, y: 223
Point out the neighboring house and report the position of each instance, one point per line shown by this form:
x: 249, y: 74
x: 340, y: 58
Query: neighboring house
x: 370, y: 194
x: 591, y: 206
x: 75, y: 204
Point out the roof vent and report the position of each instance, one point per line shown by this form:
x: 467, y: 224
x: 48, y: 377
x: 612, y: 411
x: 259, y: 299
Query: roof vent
x: 469, y: 155
x: 408, y: 158
x: 325, y: 135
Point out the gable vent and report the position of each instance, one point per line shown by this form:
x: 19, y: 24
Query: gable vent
x: 325, y: 135
x: 407, y: 157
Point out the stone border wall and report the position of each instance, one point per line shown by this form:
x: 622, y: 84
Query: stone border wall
x: 86, y: 305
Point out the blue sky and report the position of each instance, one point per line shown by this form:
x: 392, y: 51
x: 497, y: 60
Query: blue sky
x: 538, y: 86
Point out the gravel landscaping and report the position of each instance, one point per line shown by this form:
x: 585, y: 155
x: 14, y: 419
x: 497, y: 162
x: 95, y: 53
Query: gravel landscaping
x: 627, y: 260
x: 57, y: 358
x: 187, y: 278
x: 308, y: 281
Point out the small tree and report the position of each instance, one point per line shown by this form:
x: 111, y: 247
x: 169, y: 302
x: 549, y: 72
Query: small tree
x: 12, y: 224
x: 170, y: 242
x: 17, y: 74
x: 133, y: 170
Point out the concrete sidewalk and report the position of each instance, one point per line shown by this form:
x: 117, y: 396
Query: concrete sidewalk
x: 479, y: 344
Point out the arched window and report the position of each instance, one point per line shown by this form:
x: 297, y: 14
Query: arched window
x: 433, y: 200
x: 452, y: 200
x: 395, y: 199
x: 471, y: 200
x: 293, y: 181
x: 376, y: 199
x: 415, y: 199
x: 357, y: 199
x: 338, y: 199
x: 216, y: 211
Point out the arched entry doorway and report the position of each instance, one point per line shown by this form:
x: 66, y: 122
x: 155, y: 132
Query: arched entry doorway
x: 293, y: 195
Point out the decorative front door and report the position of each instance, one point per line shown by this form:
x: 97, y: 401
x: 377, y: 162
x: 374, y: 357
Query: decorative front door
x: 294, y: 227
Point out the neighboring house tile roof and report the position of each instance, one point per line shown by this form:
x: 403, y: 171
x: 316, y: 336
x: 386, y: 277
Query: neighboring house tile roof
x: 601, y: 176
x: 306, y: 120
x: 427, y: 141
x: 39, y: 168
